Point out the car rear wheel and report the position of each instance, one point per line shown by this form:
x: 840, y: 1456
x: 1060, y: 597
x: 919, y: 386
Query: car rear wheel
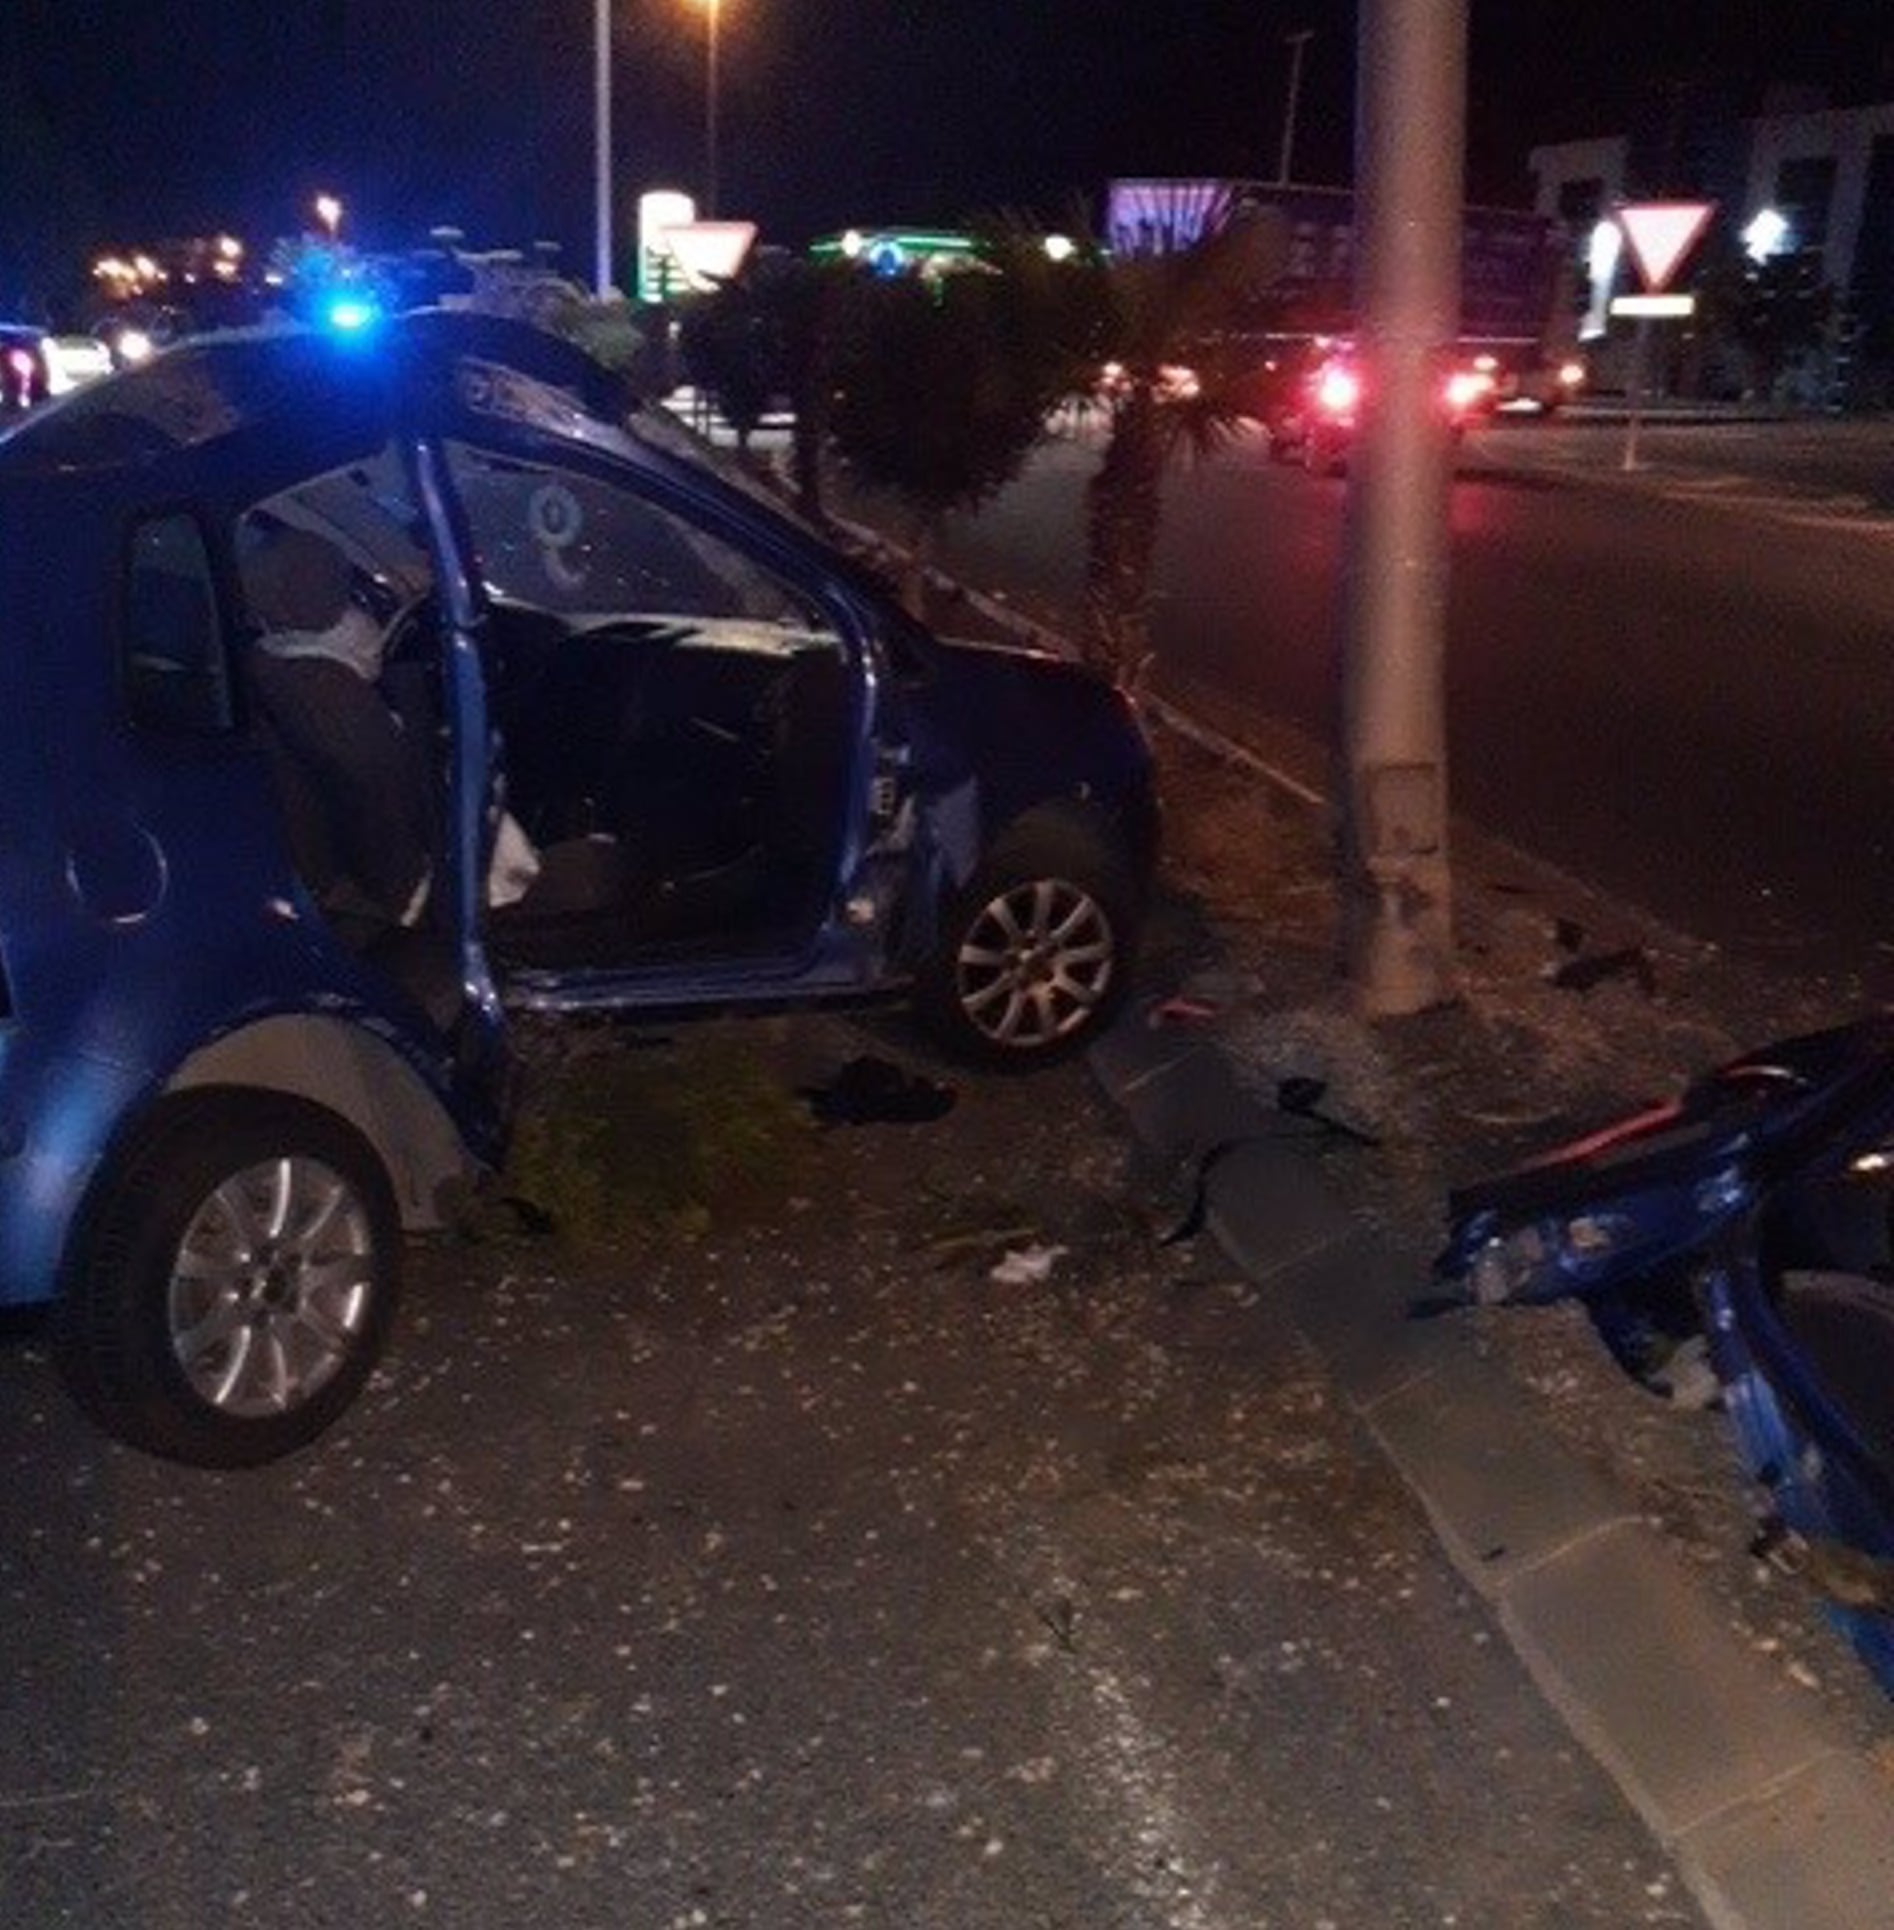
x: 1034, y: 955
x: 237, y: 1283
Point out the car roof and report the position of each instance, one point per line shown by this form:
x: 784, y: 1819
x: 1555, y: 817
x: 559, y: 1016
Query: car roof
x: 296, y: 385
x: 250, y: 411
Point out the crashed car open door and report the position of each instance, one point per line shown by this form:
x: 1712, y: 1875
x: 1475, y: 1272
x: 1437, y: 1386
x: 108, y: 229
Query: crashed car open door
x: 353, y: 692
x: 695, y: 795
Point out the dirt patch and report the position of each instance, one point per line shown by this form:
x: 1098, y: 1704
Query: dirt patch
x: 630, y: 1136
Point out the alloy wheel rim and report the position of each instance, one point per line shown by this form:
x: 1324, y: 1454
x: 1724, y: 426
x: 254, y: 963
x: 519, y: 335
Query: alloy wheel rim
x: 1035, y: 964
x: 271, y: 1287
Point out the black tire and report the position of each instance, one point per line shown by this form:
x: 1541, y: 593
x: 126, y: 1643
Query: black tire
x: 1034, y: 955
x: 261, y: 1343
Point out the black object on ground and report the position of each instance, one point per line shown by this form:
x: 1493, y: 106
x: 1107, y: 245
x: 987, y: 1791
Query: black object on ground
x: 870, y: 1091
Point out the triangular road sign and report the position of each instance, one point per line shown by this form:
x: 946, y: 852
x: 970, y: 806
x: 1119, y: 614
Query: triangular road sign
x: 1661, y: 234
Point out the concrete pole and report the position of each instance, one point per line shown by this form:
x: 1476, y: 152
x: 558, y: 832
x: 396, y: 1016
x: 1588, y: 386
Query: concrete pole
x: 602, y: 145
x: 1397, y: 935
x: 1295, y: 42
x: 712, y: 23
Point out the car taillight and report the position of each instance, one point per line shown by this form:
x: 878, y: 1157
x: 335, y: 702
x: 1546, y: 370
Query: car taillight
x: 1467, y: 389
x: 20, y: 364
x: 1337, y: 391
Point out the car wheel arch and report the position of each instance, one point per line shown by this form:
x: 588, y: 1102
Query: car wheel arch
x: 345, y: 1070
x: 1076, y: 813
x: 1070, y: 838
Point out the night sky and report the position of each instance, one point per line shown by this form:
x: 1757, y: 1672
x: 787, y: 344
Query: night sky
x: 122, y: 121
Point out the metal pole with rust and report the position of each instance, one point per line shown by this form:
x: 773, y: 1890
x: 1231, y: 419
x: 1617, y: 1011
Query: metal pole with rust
x: 1397, y: 933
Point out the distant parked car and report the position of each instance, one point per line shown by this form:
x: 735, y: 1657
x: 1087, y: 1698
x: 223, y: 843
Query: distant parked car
x: 357, y: 693
x: 1536, y: 386
x: 135, y: 336
x: 1308, y: 400
x: 23, y: 374
x: 73, y: 360
x: 36, y: 365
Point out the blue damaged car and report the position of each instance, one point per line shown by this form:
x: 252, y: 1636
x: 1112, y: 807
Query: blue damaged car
x: 358, y: 693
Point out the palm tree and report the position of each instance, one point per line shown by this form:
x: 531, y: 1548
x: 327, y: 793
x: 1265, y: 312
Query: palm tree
x: 769, y: 331
x: 1173, y: 358
x: 730, y: 352
x: 941, y: 386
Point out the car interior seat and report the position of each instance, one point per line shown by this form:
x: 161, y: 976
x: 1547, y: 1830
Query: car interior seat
x: 356, y: 788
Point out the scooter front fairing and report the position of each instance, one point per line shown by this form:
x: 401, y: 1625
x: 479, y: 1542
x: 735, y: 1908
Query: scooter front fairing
x: 1753, y: 1210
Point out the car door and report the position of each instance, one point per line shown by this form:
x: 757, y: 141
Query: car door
x: 376, y: 791
x: 696, y: 791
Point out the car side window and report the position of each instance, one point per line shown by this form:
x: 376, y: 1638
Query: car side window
x: 562, y: 541
x: 175, y: 665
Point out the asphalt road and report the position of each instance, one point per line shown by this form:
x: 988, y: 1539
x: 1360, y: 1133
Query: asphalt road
x: 1677, y: 684
x: 804, y: 1575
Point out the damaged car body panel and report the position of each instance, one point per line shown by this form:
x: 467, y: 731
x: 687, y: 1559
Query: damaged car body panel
x: 1747, y: 1221
x: 359, y: 691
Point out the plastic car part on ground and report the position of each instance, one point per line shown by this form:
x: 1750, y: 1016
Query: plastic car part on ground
x: 1027, y: 1266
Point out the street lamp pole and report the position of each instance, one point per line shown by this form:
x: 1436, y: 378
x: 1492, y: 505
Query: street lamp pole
x: 602, y: 150
x: 713, y: 10
x: 1295, y: 43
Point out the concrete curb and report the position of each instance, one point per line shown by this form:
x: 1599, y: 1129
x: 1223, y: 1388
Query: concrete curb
x: 1775, y: 1821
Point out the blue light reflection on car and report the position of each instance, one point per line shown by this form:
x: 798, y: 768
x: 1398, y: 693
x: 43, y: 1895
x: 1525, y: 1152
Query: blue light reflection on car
x: 350, y: 314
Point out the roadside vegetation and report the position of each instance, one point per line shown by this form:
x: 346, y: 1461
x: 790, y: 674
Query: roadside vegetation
x: 932, y: 392
x: 628, y: 1138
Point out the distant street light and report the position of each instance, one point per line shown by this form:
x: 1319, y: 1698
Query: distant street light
x: 1767, y: 234
x: 713, y: 16
x: 1295, y: 42
x: 329, y: 213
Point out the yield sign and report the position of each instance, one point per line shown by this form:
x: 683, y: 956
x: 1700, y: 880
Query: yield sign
x: 1661, y: 234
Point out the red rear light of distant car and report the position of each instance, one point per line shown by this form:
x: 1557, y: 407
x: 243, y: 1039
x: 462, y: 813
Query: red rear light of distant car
x: 1337, y: 390
x: 1467, y: 390
x: 20, y: 364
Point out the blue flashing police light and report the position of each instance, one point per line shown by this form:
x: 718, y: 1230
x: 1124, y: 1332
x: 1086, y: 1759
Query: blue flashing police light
x: 350, y: 314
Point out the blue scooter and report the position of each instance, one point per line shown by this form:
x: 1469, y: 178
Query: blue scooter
x: 1745, y: 1224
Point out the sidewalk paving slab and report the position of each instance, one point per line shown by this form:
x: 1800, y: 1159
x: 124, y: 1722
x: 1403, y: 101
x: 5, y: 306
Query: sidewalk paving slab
x: 1811, y: 1853
x: 1776, y: 1821
x: 1503, y: 1494
x: 1648, y: 1672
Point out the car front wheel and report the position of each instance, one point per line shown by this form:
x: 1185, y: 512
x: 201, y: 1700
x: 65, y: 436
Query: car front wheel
x: 237, y: 1282
x: 1035, y: 953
